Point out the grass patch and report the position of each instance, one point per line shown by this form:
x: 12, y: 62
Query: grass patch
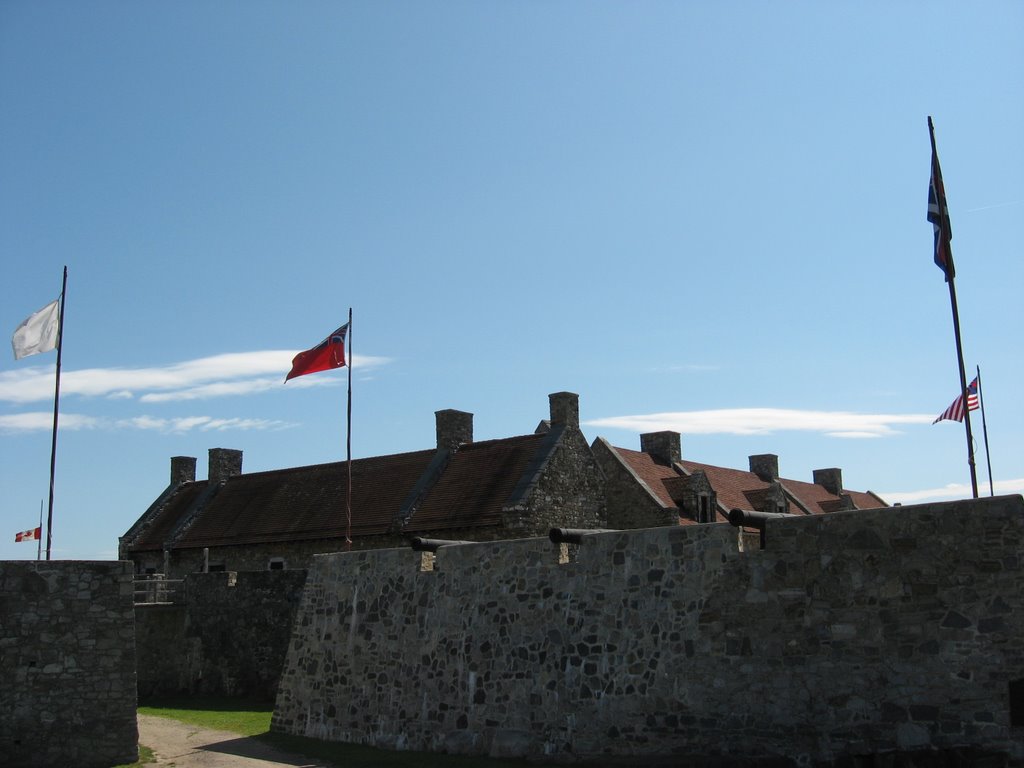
x: 253, y: 719
x: 237, y: 716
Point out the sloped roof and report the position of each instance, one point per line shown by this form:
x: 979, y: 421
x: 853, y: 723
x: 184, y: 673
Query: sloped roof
x: 476, y: 484
x: 166, y: 519
x: 464, y: 489
x: 735, y: 488
x: 293, y: 504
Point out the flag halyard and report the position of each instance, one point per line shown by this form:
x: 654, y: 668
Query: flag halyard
x: 328, y: 354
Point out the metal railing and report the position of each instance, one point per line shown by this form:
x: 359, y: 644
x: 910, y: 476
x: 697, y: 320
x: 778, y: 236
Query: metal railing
x: 153, y: 588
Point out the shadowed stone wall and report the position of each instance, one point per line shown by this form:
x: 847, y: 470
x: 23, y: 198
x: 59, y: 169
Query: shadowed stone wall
x: 855, y: 633
x: 67, y: 664
x: 228, y: 636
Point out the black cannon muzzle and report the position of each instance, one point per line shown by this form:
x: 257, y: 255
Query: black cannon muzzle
x: 573, y: 535
x: 432, y: 545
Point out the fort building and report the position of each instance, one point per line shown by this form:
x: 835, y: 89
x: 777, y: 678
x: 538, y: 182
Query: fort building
x: 460, y: 490
x: 656, y: 486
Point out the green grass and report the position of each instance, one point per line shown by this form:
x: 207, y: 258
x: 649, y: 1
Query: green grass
x: 241, y: 717
x: 253, y: 719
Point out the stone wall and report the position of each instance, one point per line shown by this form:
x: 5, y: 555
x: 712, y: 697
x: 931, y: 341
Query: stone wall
x: 67, y: 664
x: 227, y: 637
x: 629, y: 503
x: 856, y: 633
x: 569, y: 493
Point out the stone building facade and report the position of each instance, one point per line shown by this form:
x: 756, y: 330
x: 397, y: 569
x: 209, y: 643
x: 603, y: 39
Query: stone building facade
x: 67, y: 664
x: 461, y: 490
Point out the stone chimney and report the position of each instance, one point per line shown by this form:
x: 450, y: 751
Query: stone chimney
x: 665, y: 447
x: 453, y: 429
x: 183, y: 469
x: 565, y: 409
x: 224, y: 463
x: 765, y: 466
x: 830, y: 479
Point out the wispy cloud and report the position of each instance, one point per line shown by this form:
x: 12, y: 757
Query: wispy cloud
x: 952, y: 491
x: 763, y: 421
x: 39, y: 421
x: 236, y: 373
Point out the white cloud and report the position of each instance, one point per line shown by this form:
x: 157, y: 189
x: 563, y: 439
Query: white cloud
x: 235, y: 373
x: 762, y: 421
x: 36, y: 421
x: 953, y: 491
x: 40, y: 421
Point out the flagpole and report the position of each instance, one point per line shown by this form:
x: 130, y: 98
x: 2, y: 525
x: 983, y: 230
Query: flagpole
x: 348, y: 441
x: 984, y: 429
x: 950, y: 279
x: 56, y: 410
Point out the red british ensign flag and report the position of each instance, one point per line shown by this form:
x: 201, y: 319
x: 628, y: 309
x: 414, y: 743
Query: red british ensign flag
x: 329, y: 353
x: 33, y: 534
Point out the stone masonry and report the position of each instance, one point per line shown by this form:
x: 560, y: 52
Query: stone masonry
x: 227, y: 636
x: 853, y: 633
x: 67, y: 664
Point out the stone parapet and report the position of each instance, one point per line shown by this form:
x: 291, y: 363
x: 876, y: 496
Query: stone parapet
x: 855, y: 633
x: 67, y: 664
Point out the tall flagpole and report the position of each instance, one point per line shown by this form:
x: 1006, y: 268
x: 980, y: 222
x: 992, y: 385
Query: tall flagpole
x: 56, y: 410
x: 984, y: 429
x: 943, y: 237
x: 348, y: 441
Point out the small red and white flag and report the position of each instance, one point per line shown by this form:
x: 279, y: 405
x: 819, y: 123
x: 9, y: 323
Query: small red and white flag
x: 33, y: 534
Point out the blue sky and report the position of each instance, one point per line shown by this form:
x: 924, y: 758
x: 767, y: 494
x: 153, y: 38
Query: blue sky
x: 707, y: 217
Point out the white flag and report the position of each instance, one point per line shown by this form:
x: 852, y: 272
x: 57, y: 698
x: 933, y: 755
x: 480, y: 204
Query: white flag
x: 38, y: 333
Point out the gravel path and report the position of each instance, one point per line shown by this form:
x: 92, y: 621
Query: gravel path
x: 180, y: 745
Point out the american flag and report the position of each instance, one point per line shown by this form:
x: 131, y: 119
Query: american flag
x: 955, y: 412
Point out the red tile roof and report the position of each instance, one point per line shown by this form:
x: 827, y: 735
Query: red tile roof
x: 734, y: 488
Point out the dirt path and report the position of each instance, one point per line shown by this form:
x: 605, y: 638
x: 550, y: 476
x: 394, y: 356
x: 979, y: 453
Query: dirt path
x: 181, y: 745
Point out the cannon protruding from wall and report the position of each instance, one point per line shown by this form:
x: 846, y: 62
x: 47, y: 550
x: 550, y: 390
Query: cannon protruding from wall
x: 573, y: 535
x: 421, y: 544
x: 746, y: 518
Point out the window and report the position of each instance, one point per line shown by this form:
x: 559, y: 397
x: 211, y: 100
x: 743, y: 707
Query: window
x: 703, y: 509
x: 276, y: 564
x: 216, y: 568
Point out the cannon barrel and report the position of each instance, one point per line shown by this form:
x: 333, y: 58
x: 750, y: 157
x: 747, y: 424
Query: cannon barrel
x: 420, y: 544
x: 572, y: 535
x: 750, y: 519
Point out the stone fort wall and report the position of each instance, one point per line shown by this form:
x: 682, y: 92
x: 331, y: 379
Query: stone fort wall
x: 854, y: 633
x: 67, y: 664
x: 226, y: 635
